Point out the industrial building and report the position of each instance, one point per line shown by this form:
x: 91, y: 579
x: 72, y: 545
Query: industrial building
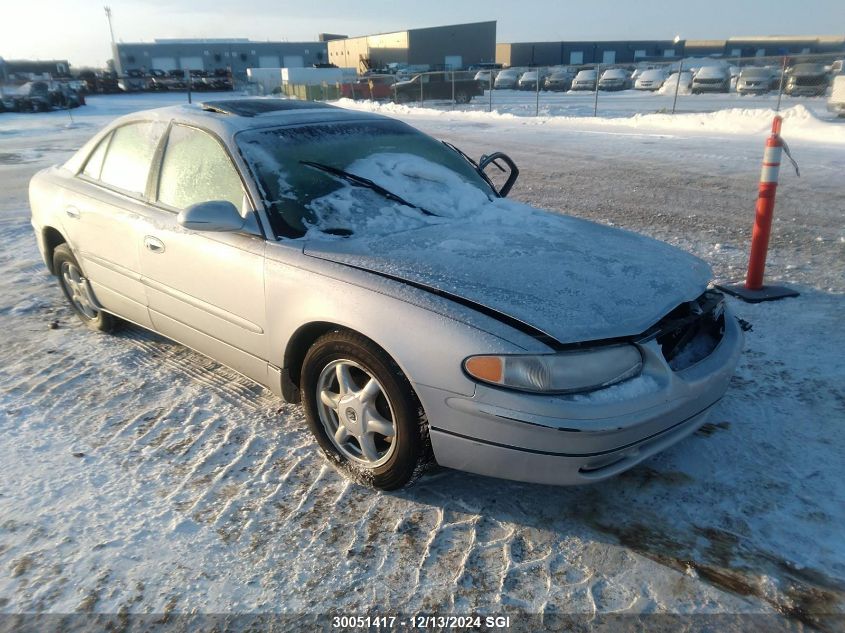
x: 624, y: 52
x: 440, y: 47
x: 235, y: 55
x: 10, y: 68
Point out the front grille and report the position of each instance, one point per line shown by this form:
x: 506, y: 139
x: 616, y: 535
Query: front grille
x: 709, y: 81
x: 809, y: 81
x: 691, y: 331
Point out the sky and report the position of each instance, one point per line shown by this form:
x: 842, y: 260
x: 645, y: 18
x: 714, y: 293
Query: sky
x: 77, y: 30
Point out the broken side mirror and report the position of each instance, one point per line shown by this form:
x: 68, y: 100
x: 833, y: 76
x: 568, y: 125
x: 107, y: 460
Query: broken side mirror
x: 497, y: 159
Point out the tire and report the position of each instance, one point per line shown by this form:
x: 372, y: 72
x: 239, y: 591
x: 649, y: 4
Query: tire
x: 76, y: 290
x: 462, y: 97
x: 338, y: 417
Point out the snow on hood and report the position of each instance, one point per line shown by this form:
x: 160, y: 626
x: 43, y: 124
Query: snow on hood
x: 573, y: 279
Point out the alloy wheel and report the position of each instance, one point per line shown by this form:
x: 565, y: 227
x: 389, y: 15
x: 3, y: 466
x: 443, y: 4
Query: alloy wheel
x: 356, y: 413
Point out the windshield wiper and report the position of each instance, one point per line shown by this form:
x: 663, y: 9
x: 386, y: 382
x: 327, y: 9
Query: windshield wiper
x: 363, y: 182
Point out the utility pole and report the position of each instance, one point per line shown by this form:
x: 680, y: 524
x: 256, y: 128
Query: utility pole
x: 108, y: 16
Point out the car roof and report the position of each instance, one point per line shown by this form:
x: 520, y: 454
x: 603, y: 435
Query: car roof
x: 227, y: 117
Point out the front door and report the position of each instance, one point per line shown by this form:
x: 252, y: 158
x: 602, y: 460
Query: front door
x: 205, y: 289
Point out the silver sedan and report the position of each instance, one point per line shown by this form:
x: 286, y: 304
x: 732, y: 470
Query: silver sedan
x: 379, y: 277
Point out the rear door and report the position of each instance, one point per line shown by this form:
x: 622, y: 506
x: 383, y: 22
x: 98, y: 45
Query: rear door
x: 205, y: 289
x: 106, y: 217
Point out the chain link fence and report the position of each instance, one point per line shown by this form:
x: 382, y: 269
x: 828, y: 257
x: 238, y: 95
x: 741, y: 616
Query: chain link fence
x: 605, y: 90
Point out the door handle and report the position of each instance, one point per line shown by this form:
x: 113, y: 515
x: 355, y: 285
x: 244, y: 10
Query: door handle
x: 153, y: 244
x: 72, y: 212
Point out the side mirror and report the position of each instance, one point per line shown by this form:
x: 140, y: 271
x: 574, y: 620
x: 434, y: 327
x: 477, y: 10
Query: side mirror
x: 214, y: 215
x: 496, y: 159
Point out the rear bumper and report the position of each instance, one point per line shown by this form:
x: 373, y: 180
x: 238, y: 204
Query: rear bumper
x: 565, y: 441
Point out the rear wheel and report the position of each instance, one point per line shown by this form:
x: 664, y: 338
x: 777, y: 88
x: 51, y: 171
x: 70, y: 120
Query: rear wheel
x: 462, y: 97
x: 363, y: 412
x: 78, y: 292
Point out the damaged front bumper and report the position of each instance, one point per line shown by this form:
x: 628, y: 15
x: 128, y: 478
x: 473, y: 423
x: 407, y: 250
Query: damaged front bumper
x: 575, y: 439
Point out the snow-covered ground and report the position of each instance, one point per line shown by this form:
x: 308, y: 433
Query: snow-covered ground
x: 140, y: 477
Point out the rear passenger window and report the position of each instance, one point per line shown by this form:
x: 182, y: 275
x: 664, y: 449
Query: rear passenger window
x: 95, y: 160
x: 129, y: 156
x: 195, y: 169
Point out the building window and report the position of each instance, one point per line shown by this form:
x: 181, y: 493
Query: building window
x: 576, y: 57
x: 206, y: 53
x: 761, y: 52
x: 669, y: 52
x: 131, y: 59
x: 146, y: 54
x: 736, y: 52
x: 639, y: 53
x: 805, y: 51
x: 243, y: 57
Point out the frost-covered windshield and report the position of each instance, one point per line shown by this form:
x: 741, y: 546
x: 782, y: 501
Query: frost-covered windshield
x: 391, y: 154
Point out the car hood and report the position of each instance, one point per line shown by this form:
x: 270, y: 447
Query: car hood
x: 572, y: 279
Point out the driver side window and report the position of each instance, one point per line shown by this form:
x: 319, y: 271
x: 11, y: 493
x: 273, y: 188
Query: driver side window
x: 196, y: 168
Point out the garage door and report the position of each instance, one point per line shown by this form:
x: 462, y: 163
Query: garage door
x: 576, y: 57
x: 191, y: 63
x: 268, y: 61
x: 294, y: 61
x: 164, y: 63
x: 454, y: 62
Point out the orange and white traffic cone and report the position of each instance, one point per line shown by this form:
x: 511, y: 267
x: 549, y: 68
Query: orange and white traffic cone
x: 753, y: 289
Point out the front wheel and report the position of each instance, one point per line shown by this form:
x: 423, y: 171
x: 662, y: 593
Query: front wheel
x: 363, y: 412
x: 78, y: 292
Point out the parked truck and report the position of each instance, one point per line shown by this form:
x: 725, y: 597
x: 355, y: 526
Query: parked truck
x: 443, y: 85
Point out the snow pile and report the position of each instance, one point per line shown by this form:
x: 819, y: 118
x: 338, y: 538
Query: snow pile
x: 798, y: 121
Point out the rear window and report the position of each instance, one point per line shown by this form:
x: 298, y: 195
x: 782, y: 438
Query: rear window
x: 129, y: 156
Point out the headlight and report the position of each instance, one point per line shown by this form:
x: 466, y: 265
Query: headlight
x: 565, y: 372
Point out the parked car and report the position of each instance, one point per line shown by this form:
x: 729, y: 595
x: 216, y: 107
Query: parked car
x: 584, y: 80
x: 836, y: 68
x: 754, y: 80
x: 507, y: 79
x: 614, y: 79
x: 486, y: 77
x: 531, y: 79
x: 560, y: 80
x: 437, y: 86
x: 806, y: 80
x: 369, y: 87
x: 650, y: 79
x: 836, y: 103
x: 672, y: 82
x: 349, y: 262
x: 711, y: 79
